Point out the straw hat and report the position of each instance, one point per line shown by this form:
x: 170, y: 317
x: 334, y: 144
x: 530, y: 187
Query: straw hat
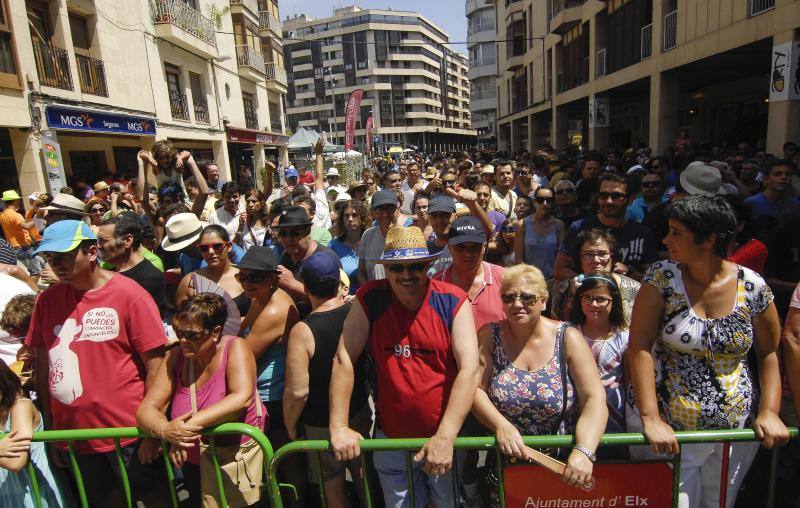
x: 66, y: 203
x: 488, y: 169
x: 182, y: 230
x: 405, y: 245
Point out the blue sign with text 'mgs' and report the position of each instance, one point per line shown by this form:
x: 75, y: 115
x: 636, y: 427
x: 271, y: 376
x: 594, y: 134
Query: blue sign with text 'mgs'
x: 92, y: 121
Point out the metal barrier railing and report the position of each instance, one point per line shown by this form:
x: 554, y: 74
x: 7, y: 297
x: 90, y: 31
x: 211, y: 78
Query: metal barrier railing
x: 117, y: 434
x: 489, y: 444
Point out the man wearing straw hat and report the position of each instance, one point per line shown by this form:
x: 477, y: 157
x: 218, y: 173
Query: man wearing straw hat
x: 423, y: 341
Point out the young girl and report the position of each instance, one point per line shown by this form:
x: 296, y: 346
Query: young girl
x: 20, y: 418
x: 597, y: 313
x: 501, y: 250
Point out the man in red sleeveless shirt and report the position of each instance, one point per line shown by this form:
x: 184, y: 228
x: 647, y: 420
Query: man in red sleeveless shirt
x: 423, y: 341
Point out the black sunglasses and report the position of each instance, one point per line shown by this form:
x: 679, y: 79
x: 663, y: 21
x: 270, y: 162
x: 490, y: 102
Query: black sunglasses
x: 253, y: 278
x: 216, y: 246
x: 615, y: 196
x: 650, y: 184
x: 412, y: 267
x: 568, y: 190
x: 294, y: 233
x: 190, y: 335
x: 543, y: 199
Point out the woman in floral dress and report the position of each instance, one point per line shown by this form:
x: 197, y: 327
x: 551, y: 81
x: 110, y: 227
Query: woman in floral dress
x: 696, y: 321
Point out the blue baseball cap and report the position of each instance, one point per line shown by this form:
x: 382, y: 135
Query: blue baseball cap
x: 291, y: 173
x: 320, y: 268
x: 64, y: 236
x: 440, y: 203
x: 466, y: 229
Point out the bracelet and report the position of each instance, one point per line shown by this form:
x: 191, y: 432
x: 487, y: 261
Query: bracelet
x: 592, y: 457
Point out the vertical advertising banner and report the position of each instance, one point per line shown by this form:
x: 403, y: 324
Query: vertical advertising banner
x: 784, y: 80
x: 368, y: 135
x: 53, y: 163
x: 351, y: 115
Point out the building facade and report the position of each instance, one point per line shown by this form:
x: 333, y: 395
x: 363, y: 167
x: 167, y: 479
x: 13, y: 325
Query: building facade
x: 621, y: 73
x: 415, y: 88
x: 88, y: 83
x: 482, y: 69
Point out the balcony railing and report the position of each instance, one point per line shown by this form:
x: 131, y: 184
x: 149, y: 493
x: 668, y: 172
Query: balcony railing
x: 92, y: 75
x: 483, y: 61
x: 247, y: 56
x: 268, y: 21
x: 185, y: 17
x: 480, y: 27
x: 251, y: 120
x: 647, y: 41
x: 275, y: 126
x: 275, y: 73
x: 178, y: 105
x: 52, y: 65
x: 201, y: 109
x: 600, y: 71
x: 670, y: 30
x: 758, y: 6
x: 251, y: 5
x: 556, y: 6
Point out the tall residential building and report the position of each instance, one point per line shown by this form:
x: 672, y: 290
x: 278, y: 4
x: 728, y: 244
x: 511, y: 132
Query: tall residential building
x: 482, y: 69
x: 618, y: 73
x: 415, y: 87
x: 87, y: 84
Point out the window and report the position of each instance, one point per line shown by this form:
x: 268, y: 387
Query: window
x: 81, y: 39
x: 173, y: 75
x: 9, y: 70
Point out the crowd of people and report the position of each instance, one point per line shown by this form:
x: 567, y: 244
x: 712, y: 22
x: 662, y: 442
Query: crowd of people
x: 433, y: 296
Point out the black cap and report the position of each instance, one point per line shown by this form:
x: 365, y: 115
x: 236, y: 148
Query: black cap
x: 259, y: 257
x: 466, y: 229
x: 293, y: 216
x: 384, y: 197
x: 444, y: 204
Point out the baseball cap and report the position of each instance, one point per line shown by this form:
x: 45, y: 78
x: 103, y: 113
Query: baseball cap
x: 320, y: 269
x: 290, y: 173
x: 384, y: 197
x: 65, y: 235
x: 466, y: 229
x: 444, y: 204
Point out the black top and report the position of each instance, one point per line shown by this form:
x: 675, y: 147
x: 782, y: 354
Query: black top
x: 303, y: 307
x: 326, y: 327
x: 635, y: 241
x: 242, y: 302
x: 151, y: 279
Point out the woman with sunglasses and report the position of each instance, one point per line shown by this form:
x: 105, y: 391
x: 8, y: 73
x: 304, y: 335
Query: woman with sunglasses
x: 597, y: 251
x: 539, y: 235
x: 535, y: 370
x: 597, y: 313
x: 252, y: 223
x: 96, y: 213
x: 208, y: 380
x: 566, y: 201
x: 215, y: 248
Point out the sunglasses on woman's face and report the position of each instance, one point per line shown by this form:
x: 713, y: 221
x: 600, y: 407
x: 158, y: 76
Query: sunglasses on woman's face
x: 98, y: 210
x: 190, y: 335
x: 412, y: 267
x: 253, y: 278
x: 544, y: 199
x: 293, y: 232
x: 216, y: 246
x: 526, y: 298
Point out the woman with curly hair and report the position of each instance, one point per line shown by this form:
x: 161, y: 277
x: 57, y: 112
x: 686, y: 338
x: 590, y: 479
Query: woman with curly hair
x: 352, y: 220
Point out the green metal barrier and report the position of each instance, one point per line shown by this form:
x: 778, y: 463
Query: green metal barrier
x: 117, y: 434
x: 488, y: 443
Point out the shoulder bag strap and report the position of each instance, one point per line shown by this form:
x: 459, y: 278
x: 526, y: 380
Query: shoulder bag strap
x: 562, y: 360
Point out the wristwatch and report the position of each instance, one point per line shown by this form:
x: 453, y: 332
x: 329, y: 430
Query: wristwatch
x: 589, y: 453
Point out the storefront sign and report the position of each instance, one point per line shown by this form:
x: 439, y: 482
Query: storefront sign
x: 351, y: 114
x: 616, y: 486
x: 784, y: 83
x: 59, y: 117
x: 256, y: 137
x: 598, y: 112
x: 53, y: 163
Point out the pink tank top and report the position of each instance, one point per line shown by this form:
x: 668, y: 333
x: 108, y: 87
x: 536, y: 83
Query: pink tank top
x: 213, y: 391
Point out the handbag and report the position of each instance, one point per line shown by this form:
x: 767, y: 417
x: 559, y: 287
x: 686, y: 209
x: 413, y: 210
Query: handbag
x: 241, y: 465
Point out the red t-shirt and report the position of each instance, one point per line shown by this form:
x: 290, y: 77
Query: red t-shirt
x: 307, y: 178
x: 93, y: 340
x: 413, y: 356
x: 752, y: 255
x: 487, y: 306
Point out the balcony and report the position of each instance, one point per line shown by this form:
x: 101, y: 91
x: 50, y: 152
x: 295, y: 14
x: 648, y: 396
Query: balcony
x: 670, y: 30
x: 246, y: 7
x: 201, y: 109
x: 276, y: 77
x: 600, y: 70
x: 756, y: 7
x: 647, y: 41
x: 481, y: 68
x: 92, y: 75
x: 275, y: 126
x: 564, y: 14
x: 251, y: 63
x: 473, y: 5
x: 52, y: 65
x: 268, y: 25
x: 251, y: 120
x: 178, y: 105
x: 515, y: 53
x: 177, y: 22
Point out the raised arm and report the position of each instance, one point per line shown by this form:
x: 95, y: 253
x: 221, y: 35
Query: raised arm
x: 202, y: 185
x: 319, y: 165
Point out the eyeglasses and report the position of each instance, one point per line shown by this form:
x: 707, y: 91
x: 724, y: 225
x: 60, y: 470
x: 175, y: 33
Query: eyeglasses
x: 253, y: 278
x: 412, y: 267
x: 98, y: 210
x: 509, y: 229
x: 614, y: 196
x: 602, y: 301
x: 190, y: 335
x: 543, y: 199
x: 448, y: 182
x: 293, y: 232
x: 522, y: 173
x: 568, y: 190
x: 589, y: 255
x: 525, y: 298
x: 216, y: 246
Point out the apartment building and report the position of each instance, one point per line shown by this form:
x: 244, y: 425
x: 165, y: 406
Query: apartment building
x: 88, y: 83
x: 415, y: 87
x: 617, y: 73
x: 482, y: 69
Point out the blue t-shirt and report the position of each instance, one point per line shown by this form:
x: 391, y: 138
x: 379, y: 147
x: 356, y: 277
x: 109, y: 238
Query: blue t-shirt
x: 638, y: 209
x: 349, y: 259
x: 760, y: 205
x: 191, y: 264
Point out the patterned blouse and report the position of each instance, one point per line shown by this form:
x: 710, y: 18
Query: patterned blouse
x: 703, y: 377
x: 531, y: 400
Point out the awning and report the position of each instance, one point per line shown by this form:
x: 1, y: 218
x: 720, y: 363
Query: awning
x: 253, y: 137
x: 87, y: 120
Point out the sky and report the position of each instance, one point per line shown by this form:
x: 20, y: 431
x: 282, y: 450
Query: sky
x: 447, y: 14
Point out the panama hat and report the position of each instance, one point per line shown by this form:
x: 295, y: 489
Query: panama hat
x: 405, y: 245
x: 488, y: 169
x: 11, y: 195
x: 183, y: 229
x: 699, y: 178
x: 66, y: 203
